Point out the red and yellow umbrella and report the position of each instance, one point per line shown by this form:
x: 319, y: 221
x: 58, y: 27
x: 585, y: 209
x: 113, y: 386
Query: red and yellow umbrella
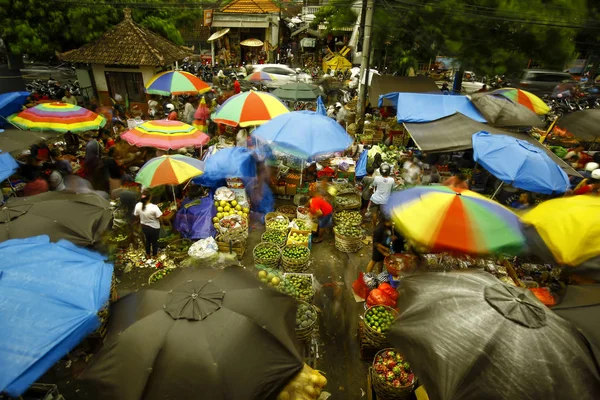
x: 169, y: 170
x: 165, y: 135
x: 248, y: 109
x: 60, y: 117
x: 524, y: 98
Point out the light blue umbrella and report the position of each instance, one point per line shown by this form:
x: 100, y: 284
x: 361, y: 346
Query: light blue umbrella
x: 8, y: 166
x: 321, y: 107
x: 519, y: 163
x: 304, y: 134
x: 11, y: 103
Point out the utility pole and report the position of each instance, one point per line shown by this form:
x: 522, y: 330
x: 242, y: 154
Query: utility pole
x: 364, y: 66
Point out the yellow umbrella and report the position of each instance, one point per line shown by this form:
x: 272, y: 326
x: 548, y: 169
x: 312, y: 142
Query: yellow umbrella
x: 252, y: 43
x: 569, y: 226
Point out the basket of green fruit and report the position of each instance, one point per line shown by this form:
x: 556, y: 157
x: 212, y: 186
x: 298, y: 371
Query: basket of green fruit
x: 267, y: 254
x: 378, y: 320
x: 306, y: 320
x: 278, y: 238
x: 294, y: 258
x: 303, y: 224
x: 299, y: 286
x: 276, y: 221
x: 178, y: 249
x: 345, y: 217
x: 348, y: 238
x: 120, y: 239
x: 158, y: 275
x: 347, y: 201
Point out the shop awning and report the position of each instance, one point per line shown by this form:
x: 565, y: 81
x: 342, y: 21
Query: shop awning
x: 454, y: 133
x: 382, y: 84
x: 420, y: 107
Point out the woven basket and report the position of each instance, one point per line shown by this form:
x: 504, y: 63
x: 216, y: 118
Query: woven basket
x: 347, y: 244
x: 295, y: 264
x: 270, y: 217
x: 279, y: 244
x: 400, y: 262
x: 230, y: 246
x: 355, y: 203
x: 304, y: 334
x: 288, y: 211
x: 385, y: 391
x: 271, y: 263
x: 179, y: 256
x: 377, y: 339
x: 336, y: 218
x: 156, y: 273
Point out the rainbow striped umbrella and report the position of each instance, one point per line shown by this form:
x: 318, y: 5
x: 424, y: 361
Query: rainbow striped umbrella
x: 176, y: 83
x: 260, y: 76
x: 60, y: 117
x: 248, y: 109
x: 165, y: 135
x: 169, y: 170
x: 524, y: 98
x: 441, y: 218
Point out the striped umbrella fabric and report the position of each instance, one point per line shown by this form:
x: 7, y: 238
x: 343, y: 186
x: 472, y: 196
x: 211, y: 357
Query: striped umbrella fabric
x: 176, y: 83
x: 169, y: 170
x: 260, y: 76
x: 165, y: 135
x: 525, y: 98
x: 249, y: 109
x: 442, y: 219
x: 57, y: 116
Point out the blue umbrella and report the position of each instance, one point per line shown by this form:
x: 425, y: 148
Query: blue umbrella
x: 50, y: 294
x: 321, y: 107
x: 304, y: 134
x: 519, y: 163
x: 11, y: 103
x: 233, y: 162
x: 8, y: 166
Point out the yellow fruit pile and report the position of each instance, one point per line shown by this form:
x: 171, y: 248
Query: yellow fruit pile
x: 307, y: 385
x: 227, y: 208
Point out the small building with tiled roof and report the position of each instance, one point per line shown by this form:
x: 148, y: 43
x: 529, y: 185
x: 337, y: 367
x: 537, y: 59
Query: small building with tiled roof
x: 123, y: 59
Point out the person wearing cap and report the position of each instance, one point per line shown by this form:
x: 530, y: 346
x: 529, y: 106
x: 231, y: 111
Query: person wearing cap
x: 382, y: 189
x: 591, y: 185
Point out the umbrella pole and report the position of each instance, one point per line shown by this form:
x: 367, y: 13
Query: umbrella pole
x: 174, y: 197
x: 497, y: 190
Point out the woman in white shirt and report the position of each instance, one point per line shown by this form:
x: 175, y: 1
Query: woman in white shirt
x: 150, y: 219
x: 382, y: 189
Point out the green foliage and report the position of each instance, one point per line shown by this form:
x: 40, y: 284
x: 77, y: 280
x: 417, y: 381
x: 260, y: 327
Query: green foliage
x: 336, y: 14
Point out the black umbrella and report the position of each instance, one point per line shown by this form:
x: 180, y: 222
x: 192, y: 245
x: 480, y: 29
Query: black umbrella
x: 470, y: 336
x: 205, y: 334
x: 582, y: 124
x: 16, y: 140
x: 499, y: 111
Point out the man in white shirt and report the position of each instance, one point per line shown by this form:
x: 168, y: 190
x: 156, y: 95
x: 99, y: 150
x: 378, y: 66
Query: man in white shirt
x: 69, y: 99
x: 382, y: 189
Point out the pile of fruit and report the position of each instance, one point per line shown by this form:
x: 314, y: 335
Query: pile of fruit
x: 350, y: 218
x: 298, y: 286
x: 267, y: 252
x: 161, y: 273
x: 391, y: 368
x: 303, y: 210
x: 305, y: 316
x: 269, y: 278
x: 279, y: 223
x: 347, y: 201
x: 379, y: 318
x: 303, y: 224
x: 307, y: 385
x: 348, y: 231
x: 287, y: 210
x: 298, y: 238
x: 296, y: 252
x: 275, y: 237
x: 227, y: 208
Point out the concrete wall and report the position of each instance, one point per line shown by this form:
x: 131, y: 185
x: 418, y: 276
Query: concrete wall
x: 102, y: 87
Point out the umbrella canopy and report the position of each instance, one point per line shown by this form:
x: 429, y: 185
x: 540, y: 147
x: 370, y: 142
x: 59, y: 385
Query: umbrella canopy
x: 8, y: 166
x: 469, y: 336
x: 529, y: 168
x: 169, y: 170
x: 249, y: 109
x: 221, y: 333
x: 78, y: 218
x: 61, y: 117
x: 582, y: 124
x: 231, y: 162
x: 321, y: 107
x: 16, y: 140
x: 500, y: 111
x: 252, y: 43
x: 525, y: 98
x: 304, y: 134
x: 298, y: 91
x: 50, y: 294
x: 165, y: 135
x: 11, y: 103
x: 260, y: 76
x: 449, y: 219
x: 176, y: 83
x: 218, y: 34
x: 569, y: 227
x: 202, y: 112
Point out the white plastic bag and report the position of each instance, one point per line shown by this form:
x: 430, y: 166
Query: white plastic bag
x: 203, y: 248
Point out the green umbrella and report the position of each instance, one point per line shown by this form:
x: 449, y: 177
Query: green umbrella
x: 298, y: 91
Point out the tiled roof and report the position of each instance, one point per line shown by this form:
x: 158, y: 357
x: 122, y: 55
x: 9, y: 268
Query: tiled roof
x: 128, y: 43
x: 251, y: 7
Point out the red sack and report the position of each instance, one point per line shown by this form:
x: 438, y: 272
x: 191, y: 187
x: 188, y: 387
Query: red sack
x: 360, y: 287
x: 389, y: 291
x: 379, y: 298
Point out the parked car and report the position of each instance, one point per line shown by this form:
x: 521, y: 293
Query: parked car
x: 282, y: 74
x: 541, y: 82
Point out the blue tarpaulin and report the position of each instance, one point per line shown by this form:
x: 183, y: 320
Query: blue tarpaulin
x: 361, y: 165
x: 8, y: 166
x: 11, y: 103
x: 420, y: 107
x: 195, y: 222
x: 50, y: 294
x: 227, y: 163
x: 321, y: 107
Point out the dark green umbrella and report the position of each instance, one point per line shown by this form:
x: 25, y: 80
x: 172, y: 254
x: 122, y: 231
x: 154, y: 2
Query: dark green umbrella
x: 78, y: 218
x: 469, y: 336
x: 198, y: 334
x: 298, y: 91
x: 16, y: 140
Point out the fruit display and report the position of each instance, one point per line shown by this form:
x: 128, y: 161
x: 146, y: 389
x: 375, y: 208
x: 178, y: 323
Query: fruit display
x: 348, y: 201
x: 295, y: 252
x: 350, y: 218
x: 158, y: 275
x: 307, y: 385
x: 391, y: 368
x: 348, y: 231
x: 269, y: 277
x: 299, y: 286
x: 226, y: 209
x: 287, y: 210
x: 279, y: 223
x: 303, y: 224
x: 306, y: 315
x: 379, y: 318
x: 267, y: 254
x: 303, y: 210
x: 275, y: 237
x: 298, y: 237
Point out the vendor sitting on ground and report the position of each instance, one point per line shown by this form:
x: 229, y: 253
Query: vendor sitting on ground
x: 383, y: 237
x: 323, y: 211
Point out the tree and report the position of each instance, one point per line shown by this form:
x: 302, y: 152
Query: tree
x: 336, y: 14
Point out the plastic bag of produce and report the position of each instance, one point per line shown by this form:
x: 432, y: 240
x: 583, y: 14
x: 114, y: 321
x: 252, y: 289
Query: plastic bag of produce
x: 307, y: 385
x: 380, y: 298
x: 224, y: 193
x: 269, y: 276
x: 203, y: 248
x: 360, y: 287
x: 389, y: 291
x: 370, y: 280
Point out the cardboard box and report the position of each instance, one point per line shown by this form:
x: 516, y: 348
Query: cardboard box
x: 291, y: 190
x: 305, y: 233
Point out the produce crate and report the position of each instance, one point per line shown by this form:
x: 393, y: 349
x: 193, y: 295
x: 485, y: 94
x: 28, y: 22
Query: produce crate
x: 350, y: 175
x: 291, y: 189
x: 230, y: 246
x: 314, y: 282
x: 290, y: 264
x: 303, y: 233
x: 292, y: 178
x: 235, y: 183
x: 271, y: 263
